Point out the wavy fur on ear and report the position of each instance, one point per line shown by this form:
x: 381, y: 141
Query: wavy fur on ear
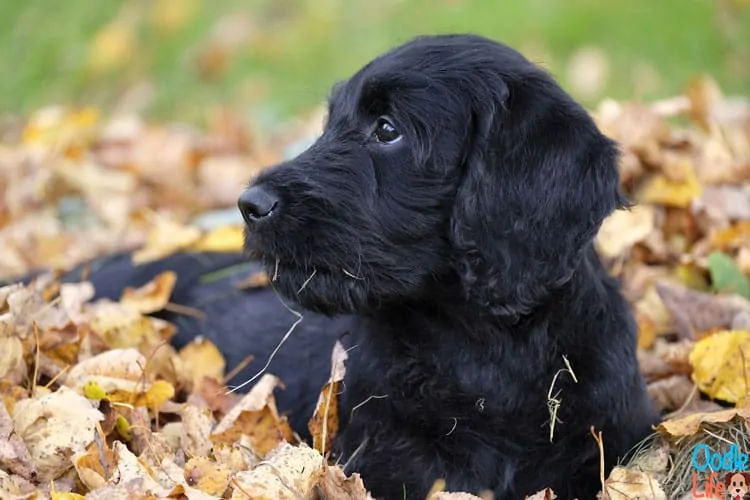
x: 539, y: 180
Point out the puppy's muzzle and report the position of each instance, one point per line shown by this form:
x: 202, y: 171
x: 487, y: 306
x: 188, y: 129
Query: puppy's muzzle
x: 257, y: 204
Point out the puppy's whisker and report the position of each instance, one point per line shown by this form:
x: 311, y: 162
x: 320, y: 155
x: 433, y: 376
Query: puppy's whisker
x: 351, y: 275
x: 308, y: 280
x: 455, y: 424
x: 276, y: 270
x: 276, y: 349
x: 356, y: 452
x: 360, y: 405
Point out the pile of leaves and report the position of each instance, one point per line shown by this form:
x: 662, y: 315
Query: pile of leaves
x: 96, y: 401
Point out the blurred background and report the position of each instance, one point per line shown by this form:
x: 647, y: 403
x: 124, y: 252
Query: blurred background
x: 275, y: 58
x: 126, y: 123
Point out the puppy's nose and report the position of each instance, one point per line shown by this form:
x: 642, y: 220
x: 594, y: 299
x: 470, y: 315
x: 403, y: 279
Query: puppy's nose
x: 256, y: 203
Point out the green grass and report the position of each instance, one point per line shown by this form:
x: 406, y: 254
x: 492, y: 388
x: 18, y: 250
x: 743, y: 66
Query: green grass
x: 297, y: 48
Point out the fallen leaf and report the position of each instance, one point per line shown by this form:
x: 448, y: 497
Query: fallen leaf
x: 14, y: 456
x: 229, y: 238
x: 55, y: 426
x: 693, y: 312
x: 624, y: 228
x: 672, y: 392
x: 152, y: 296
x: 334, y: 485
x: 94, y: 466
x: 207, y: 476
x: 689, y: 425
x: 165, y: 238
x: 626, y: 484
x: 255, y: 416
x: 14, y: 487
x: 202, y: 359
x: 720, y: 365
x: 131, y: 470
x: 662, y: 191
x: 287, y: 473
x: 324, y: 423
x: 545, y: 494
x: 195, y: 437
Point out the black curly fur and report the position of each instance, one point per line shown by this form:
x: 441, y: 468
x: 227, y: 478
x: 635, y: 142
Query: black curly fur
x: 464, y: 255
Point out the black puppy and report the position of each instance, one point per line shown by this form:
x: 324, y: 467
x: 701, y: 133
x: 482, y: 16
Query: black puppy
x: 449, y: 206
x: 444, y: 220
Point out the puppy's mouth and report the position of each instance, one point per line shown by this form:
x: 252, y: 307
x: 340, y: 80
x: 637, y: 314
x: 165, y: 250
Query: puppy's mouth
x: 277, y: 268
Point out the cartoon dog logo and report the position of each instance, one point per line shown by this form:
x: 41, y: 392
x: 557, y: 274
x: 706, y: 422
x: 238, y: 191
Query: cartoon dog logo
x: 738, y: 486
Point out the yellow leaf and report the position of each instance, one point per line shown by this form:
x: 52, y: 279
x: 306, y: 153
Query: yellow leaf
x: 203, y: 359
x: 228, y: 238
x: 719, y: 366
x: 690, y: 424
x: 152, y: 296
x: 159, y: 393
x: 55, y: 495
x: 55, y: 124
x: 165, y: 238
x: 207, y: 475
x: 662, y: 191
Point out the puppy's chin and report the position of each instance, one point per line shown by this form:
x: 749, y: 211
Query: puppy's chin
x: 316, y: 289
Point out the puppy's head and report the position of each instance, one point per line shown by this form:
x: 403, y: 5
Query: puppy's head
x: 450, y: 162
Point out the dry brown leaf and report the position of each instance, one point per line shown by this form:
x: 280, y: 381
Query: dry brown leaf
x: 545, y: 494
x: 14, y: 456
x: 672, y: 392
x: 334, y: 485
x: 197, y: 423
x: 13, y: 487
x: 55, y: 426
x: 287, y: 473
x: 12, y: 364
x: 113, y: 370
x: 94, y: 466
x: 134, y: 474
x: 627, y: 484
x: 324, y: 423
x: 445, y: 495
x: 694, y: 312
x: 690, y: 424
x: 152, y: 296
x: 256, y: 417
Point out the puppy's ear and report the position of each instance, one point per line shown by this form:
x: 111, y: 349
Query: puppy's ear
x: 539, y: 178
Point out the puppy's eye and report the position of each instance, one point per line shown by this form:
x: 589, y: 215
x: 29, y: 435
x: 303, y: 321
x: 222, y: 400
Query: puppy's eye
x: 386, y: 133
